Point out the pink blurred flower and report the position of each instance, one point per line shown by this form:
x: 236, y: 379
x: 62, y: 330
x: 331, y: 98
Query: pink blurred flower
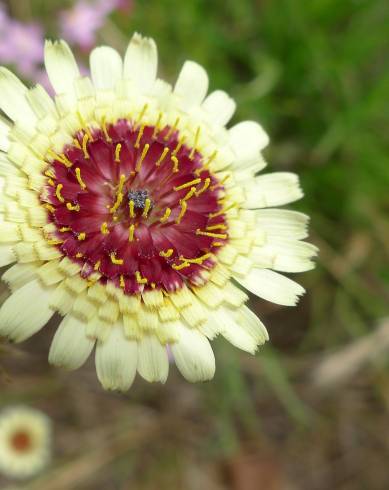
x: 80, y: 23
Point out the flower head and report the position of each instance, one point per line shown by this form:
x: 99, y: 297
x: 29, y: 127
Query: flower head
x: 25, y: 439
x: 132, y: 211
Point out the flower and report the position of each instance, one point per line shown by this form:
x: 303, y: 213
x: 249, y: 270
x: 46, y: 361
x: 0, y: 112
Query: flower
x: 25, y: 439
x: 132, y: 211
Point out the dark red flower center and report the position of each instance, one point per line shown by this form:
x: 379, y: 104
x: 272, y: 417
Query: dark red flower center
x: 21, y: 441
x: 137, y: 205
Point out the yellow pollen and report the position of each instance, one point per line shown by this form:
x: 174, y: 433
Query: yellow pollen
x: 196, y: 141
x: 205, y: 186
x: 119, y: 195
x: 71, y: 207
x: 84, y: 145
x: 49, y: 207
x: 187, y: 184
x: 184, y: 207
x: 61, y: 158
x: 178, y: 267
x: 175, y: 164
x: 131, y: 233
x: 81, y: 236
x: 51, y: 182
x: 50, y: 173
x: 79, y: 179
x: 139, y: 278
x: 122, y: 282
x: 219, y: 226
x: 104, y: 228
x: 76, y: 143
x: 97, y: 265
x: 217, y: 244
x: 165, y: 217
x: 54, y: 241
x: 166, y: 253
x: 140, y: 134
x: 147, y: 208
x: 105, y: 131
x: 190, y: 194
x: 115, y: 260
x: 222, y: 236
x: 143, y: 112
x: 58, y: 193
x: 172, y: 129
x: 178, y: 147
x: 79, y: 255
x: 117, y: 152
x: 162, y: 157
x: 142, y: 157
x: 132, y: 208
x: 64, y: 229
x: 199, y: 260
x: 157, y: 125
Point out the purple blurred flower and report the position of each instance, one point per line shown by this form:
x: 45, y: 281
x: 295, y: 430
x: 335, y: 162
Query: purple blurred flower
x: 80, y: 23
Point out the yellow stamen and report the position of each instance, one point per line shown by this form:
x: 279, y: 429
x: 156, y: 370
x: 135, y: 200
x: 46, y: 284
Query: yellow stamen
x: 64, y: 229
x: 84, y: 125
x: 58, y: 193
x: 131, y: 233
x: 165, y: 217
x: 51, y: 182
x: 197, y: 136
x: 142, y: 157
x: 76, y: 143
x: 172, y: 129
x: 166, y: 253
x: 119, y: 195
x: 190, y: 194
x: 84, y: 145
x: 97, y: 265
x: 147, y: 208
x: 61, y: 158
x: 162, y: 157
x: 184, y: 207
x: 199, y: 260
x: 140, y: 134
x: 139, y: 278
x: 205, y: 186
x: 222, y: 211
x: 49, y: 207
x: 105, y: 131
x: 79, y: 255
x: 104, y: 228
x: 79, y: 179
x: 221, y: 182
x: 143, y: 112
x: 115, y: 260
x: 117, y: 152
x: 217, y: 244
x: 54, y: 241
x: 122, y: 282
x: 81, y: 236
x: 178, y: 147
x: 157, y: 125
x: 219, y: 226
x: 175, y: 164
x: 132, y: 208
x: 178, y: 267
x: 50, y: 173
x: 71, y: 207
x: 187, y: 184
x: 223, y: 236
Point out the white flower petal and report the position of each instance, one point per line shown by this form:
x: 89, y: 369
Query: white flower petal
x: 116, y: 360
x: 153, y: 364
x: 26, y: 311
x: 141, y: 62
x: 220, y: 107
x: 41, y: 102
x: 271, y: 286
x: 61, y: 66
x: 70, y: 347
x: 4, y: 132
x: 13, y: 98
x: 247, y: 139
x: 192, y: 84
x: 273, y: 189
x: 194, y: 356
x: 282, y: 223
x: 7, y: 255
x: 106, y: 67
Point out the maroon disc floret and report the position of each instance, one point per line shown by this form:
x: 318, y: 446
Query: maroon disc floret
x: 136, y: 206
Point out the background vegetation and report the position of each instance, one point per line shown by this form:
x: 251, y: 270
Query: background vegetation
x: 310, y: 411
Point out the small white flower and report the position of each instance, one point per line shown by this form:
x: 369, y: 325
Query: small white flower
x: 25, y: 442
